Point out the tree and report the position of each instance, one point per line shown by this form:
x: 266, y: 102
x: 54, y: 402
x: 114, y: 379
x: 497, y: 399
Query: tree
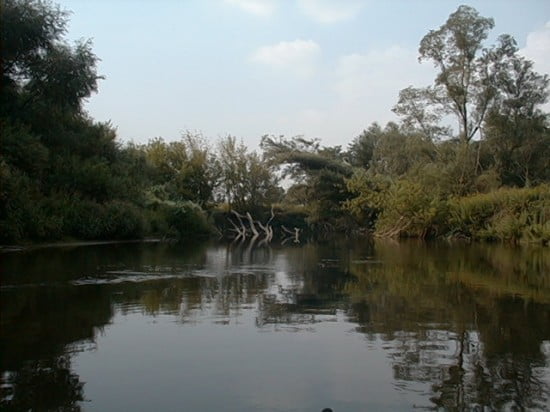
x: 63, y: 174
x: 38, y: 66
x: 493, y: 92
x: 463, y: 86
x: 300, y: 156
x: 392, y: 151
x: 247, y: 183
x: 361, y: 149
x: 29, y: 29
x: 182, y: 170
x: 323, y: 171
x: 517, y: 130
x: 418, y: 113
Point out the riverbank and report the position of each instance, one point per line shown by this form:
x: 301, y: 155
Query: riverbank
x: 70, y: 244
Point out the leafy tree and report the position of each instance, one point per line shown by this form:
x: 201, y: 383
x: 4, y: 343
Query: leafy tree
x: 463, y: 87
x: 182, y: 170
x: 321, y: 169
x: 420, y: 114
x: 63, y: 174
x: 37, y: 65
x: 29, y: 30
x: 398, y: 152
x: 368, y: 194
x: 299, y: 156
x: 517, y: 130
x: 361, y: 149
x: 246, y: 182
x: 201, y: 173
x: 233, y: 168
x: 392, y: 151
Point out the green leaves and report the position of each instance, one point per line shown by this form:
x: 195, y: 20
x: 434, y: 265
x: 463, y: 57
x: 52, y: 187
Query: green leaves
x: 29, y: 30
x: 506, y: 214
x: 38, y: 64
x: 64, y: 76
x: 248, y: 182
x: 465, y: 84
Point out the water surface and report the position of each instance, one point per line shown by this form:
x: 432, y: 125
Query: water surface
x: 352, y: 325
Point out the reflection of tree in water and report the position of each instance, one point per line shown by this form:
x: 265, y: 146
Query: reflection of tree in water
x: 49, y: 384
x: 447, y: 317
x: 234, y: 279
x: 318, y: 274
x: 224, y: 296
x: 45, y: 316
x: 450, y: 322
x: 41, y: 322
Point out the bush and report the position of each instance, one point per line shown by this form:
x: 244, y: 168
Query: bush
x: 123, y: 220
x: 18, y: 197
x: 411, y: 210
x: 507, y: 214
x: 82, y: 219
x: 186, y: 219
x: 369, y: 194
x: 85, y: 219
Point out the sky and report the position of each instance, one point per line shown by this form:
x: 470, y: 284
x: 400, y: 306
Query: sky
x: 319, y: 68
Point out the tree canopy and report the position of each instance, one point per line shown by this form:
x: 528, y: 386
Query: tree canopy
x: 472, y: 78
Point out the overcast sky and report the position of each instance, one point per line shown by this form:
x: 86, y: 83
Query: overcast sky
x: 318, y: 68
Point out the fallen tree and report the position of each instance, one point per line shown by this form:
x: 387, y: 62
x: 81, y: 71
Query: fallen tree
x: 242, y: 226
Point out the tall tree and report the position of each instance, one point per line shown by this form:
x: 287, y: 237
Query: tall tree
x: 419, y: 113
x: 38, y: 66
x: 517, y: 130
x: 463, y: 85
x: 361, y: 149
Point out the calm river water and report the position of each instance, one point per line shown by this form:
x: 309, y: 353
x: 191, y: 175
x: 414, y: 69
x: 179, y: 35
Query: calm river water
x: 353, y: 325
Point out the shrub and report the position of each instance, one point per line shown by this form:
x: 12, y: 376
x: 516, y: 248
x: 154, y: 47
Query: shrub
x: 83, y: 219
x: 123, y: 220
x: 18, y: 197
x: 507, y: 214
x: 186, y: 219
x: 369, y: 194
x: 411, y: 210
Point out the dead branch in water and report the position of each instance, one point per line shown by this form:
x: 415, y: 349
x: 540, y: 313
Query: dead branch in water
x: 294, y: 234
x: 242, y: 230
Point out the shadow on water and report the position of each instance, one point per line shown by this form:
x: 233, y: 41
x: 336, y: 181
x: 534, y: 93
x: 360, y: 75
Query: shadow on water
x: 469, y: 322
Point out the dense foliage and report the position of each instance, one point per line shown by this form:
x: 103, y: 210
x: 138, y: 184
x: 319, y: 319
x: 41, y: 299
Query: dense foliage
x: 418, y: 179
x: 64, y: 175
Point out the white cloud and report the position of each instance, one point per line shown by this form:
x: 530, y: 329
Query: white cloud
x: 379, y: 75
x: 365, y: 88
x: 330, y: 11
x: 298, y: 56
x: 257, y: 7
x: 537, y: 48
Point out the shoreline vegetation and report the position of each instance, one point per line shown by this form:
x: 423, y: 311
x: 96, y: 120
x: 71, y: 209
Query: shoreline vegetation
x: 66, y: 177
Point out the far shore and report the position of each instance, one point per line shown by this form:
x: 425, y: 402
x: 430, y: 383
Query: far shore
x: 75, y: 243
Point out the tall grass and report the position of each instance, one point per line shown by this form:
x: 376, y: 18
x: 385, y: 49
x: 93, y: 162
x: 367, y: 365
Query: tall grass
x: 507, y: 214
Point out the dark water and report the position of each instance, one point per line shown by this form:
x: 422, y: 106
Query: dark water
x: 351, y: 325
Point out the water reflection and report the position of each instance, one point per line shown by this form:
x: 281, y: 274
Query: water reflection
x: 472, y: 322
x: 459, y: 326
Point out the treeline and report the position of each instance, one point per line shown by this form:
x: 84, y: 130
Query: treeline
x: 64, y: 175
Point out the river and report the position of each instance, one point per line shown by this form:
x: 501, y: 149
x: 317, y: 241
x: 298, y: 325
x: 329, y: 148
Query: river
x: 351, y: 325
